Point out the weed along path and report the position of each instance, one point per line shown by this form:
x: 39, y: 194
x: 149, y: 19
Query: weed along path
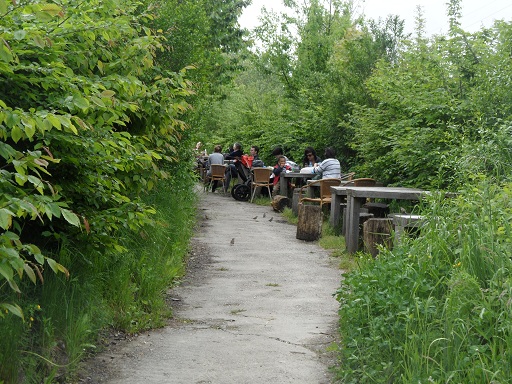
x: 256, y: 306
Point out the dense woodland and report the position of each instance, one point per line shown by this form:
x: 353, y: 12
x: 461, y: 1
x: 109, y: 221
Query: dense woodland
x: 101, y: 103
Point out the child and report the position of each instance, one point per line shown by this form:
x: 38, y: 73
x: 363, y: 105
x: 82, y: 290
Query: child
x: 278, y: 168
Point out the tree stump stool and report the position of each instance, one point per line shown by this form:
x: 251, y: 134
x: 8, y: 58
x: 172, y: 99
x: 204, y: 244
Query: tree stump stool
x: 309, y: 226
x: 363, y: 218
x: 279, y: 203
x: 377, y: 231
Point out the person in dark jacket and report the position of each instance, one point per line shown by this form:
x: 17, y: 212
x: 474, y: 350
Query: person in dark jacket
x: 234, y: 170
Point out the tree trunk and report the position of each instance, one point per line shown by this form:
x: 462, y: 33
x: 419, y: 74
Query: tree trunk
x: 377, y: 231
x: 309, y: 227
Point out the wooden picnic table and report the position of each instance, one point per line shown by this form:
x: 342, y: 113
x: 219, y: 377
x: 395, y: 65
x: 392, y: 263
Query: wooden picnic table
x: 283, y: 181
x: 356, y: 196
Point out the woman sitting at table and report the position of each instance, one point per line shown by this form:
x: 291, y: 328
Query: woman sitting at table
x: 310, y: 158
x: 329, y: 168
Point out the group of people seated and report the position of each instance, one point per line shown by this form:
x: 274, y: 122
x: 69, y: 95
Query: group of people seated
x: 234, y: 167
x: 328, y: 168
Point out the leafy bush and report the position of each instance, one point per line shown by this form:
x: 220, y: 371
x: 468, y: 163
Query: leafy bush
x: 86, y: 123
x: 436, y: 308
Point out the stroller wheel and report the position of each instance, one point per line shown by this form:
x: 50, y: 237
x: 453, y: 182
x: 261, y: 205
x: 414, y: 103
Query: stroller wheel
x: 241, y: 192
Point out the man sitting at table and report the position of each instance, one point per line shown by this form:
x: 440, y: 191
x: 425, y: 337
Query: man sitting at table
x: 329, y: 168
x: 255, y: 153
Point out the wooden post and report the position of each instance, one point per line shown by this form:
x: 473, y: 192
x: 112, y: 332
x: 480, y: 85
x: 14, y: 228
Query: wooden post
x: 309, y: 227
x: 377, y: 231
x: 295, y: 201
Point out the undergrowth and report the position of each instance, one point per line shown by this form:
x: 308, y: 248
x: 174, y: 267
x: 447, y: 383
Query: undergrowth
x: 437, y: 308
x: 125, y: 291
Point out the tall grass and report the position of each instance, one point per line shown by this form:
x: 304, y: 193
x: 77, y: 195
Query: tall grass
x: 437, y: 308
x: 125, y: 291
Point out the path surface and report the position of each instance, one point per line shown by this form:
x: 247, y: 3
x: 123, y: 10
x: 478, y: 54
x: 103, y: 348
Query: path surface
x: 256, y: 309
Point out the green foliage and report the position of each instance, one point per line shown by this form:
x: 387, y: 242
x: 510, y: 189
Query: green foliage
x: 295, y: 92
x: 433, y: 108
x: 436, y: 308
x: 84, y: 115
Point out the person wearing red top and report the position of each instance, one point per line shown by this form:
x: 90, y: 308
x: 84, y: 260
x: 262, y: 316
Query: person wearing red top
x: 280, y: 167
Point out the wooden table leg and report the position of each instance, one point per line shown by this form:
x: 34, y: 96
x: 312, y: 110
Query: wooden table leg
x: 335, y: 209
x: 283, y: 186
x: 353, y: 211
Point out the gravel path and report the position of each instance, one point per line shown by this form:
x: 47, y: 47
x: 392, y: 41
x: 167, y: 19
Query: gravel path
x: 256, y: 306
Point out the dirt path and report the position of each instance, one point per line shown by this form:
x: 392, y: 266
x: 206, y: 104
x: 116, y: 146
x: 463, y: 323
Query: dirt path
x: 256, y: 309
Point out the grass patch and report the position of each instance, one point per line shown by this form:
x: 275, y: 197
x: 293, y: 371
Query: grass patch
x: 262, y: 200
x: 336, y: 246
x: 290, y: 216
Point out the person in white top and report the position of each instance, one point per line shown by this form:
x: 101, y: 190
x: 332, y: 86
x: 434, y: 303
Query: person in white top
x: 330, y: 167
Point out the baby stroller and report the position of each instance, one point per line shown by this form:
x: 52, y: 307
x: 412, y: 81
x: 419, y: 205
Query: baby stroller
x: 242, y: 191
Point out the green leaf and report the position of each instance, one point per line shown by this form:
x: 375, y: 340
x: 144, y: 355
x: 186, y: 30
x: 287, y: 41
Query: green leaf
x: 5, y: 218
x: 107, y: 93
x: 5, y: 54
x: 3, y: 6
x: 30, y: 272
x: 52, y: 9
x: 20, y: 179
x: 39, y: 42
x: 30, y: 127
x: 13, y: 308
x: 16, y: 134
x: 70, y: 217
x: 98, y: 101
x: 55, y: 121
x: 55, y: 209
x: 53, y: 264
x: 80, y: 102
x: 20, y: 34
x: 37, y: 183
x: 39, y: 258
x: 6, y: 271
x: 45, y: 17
x: 6, y: 151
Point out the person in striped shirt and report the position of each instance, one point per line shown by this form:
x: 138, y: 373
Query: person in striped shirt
x: 330, y: 167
